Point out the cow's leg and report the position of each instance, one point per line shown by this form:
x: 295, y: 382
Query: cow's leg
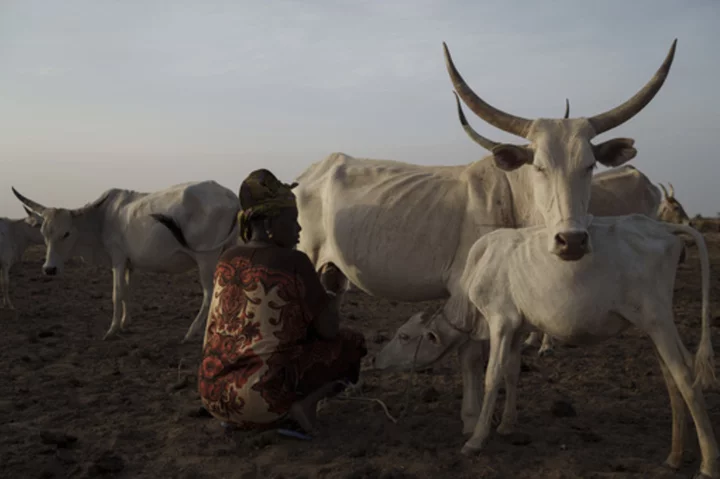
x: 472, y: 356
x: 333, y: 279
x: 118, y: 298
x: 512, y: 377
x: 5, y: 286
x: 547, y: 346
x: 679, y: 418
x: 501, y: 339
x: 533, y: 340
x: 678, y: 360
x: 206, y: 269
x: 126, y: 319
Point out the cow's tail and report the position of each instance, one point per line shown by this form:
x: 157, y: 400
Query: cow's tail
x: 177, y: 232
x: 704, y: 357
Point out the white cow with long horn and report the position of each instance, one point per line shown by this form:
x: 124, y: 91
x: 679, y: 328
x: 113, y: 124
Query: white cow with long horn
x: 129, y: 230
x: 402, y: 231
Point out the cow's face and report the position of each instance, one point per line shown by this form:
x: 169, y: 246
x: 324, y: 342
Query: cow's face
x: 561, y: 159
x: 670, y: 209
x: 560, y: 156
x: 60, y: 236
x: 57, y: 230
x: 420, y: 341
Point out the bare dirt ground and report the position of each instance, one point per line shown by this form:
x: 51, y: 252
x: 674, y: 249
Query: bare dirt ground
x: 72, y: 405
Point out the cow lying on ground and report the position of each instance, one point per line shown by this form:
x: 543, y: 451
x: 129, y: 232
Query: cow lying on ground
x: 512, y: 284
x: 15, y: 237
x: 128, y: 230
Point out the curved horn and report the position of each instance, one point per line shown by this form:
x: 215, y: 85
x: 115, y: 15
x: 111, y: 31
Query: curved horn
x: 620, y: 114
x: 664, y: 190
x: 36, y: 207
x: 91, y: 205
x: 567, y: 109
x: 474, y: 135
x: 512, y: 124
x: 672, y: 190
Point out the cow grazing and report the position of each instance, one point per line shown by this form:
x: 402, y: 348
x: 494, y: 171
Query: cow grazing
x: 122, y: 229
x: 402, y: 231
x: 512, y: 284
x: 15, y: 237
x: 670, y: 209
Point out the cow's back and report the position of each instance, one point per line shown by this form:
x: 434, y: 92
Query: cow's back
x: 392, y: 227
x: 623, y: 191
x: 205, y: 212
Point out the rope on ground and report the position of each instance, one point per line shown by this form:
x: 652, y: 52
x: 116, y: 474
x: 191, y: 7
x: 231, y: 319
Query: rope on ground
x: 406, y: 405
x: 375, y: 400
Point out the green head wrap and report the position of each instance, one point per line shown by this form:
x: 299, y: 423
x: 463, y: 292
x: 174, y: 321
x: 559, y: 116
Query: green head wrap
x: 262, y: 195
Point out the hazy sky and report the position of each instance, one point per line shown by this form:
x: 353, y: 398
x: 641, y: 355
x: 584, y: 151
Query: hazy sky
x: 143, y: 94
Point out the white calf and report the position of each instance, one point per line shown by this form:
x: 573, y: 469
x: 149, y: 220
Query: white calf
x: 516, y: 286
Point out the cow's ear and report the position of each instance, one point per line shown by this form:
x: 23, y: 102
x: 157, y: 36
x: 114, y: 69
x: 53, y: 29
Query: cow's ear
x: 293, y: 185
x: 511, y: 157
x: 615, y: 152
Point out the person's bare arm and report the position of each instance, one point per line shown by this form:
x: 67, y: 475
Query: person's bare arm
x: 327, y: 323
x: 321, y: 304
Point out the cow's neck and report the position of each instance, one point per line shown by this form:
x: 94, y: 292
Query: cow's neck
x: 523, y: 198
x: 90, y: 225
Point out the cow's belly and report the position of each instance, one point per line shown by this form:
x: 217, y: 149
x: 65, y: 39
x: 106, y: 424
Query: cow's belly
x: 580, y: 327
x: 167, y: 262
x: 411, y: 288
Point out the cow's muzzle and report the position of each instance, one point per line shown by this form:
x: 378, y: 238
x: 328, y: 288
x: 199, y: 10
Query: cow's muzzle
x: 571, y: 245
x: 50, y: 270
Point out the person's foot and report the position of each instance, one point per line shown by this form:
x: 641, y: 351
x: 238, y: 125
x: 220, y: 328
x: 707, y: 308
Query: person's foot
x: 305, y: 417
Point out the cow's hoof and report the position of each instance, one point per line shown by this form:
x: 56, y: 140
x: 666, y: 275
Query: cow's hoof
x: 110, y: 335
x: 469, y: 450
x: 546, y: 352
x: 673, y: 462
x: 505, y: 429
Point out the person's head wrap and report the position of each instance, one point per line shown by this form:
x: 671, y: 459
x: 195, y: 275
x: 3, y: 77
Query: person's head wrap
x: 262, y: 195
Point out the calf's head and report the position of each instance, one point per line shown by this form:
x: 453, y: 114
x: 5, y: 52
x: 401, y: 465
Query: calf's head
x: 430, y: 336
x: 560, y: 156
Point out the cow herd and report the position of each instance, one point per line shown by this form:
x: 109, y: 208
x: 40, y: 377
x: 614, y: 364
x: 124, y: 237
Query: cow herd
x: 526, y: 240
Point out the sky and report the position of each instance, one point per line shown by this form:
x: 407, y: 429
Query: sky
x: 143, y: 94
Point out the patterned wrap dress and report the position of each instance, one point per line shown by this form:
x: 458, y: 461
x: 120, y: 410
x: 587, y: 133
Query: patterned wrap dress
x: 260, y: 352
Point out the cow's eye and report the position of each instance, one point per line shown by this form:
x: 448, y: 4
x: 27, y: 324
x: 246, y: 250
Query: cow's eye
x: 66, y: 235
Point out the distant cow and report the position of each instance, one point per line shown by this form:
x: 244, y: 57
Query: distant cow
x: 670, y: 209
x: 512, y: 284
x: 122, y: 229
x: 15, y: 237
